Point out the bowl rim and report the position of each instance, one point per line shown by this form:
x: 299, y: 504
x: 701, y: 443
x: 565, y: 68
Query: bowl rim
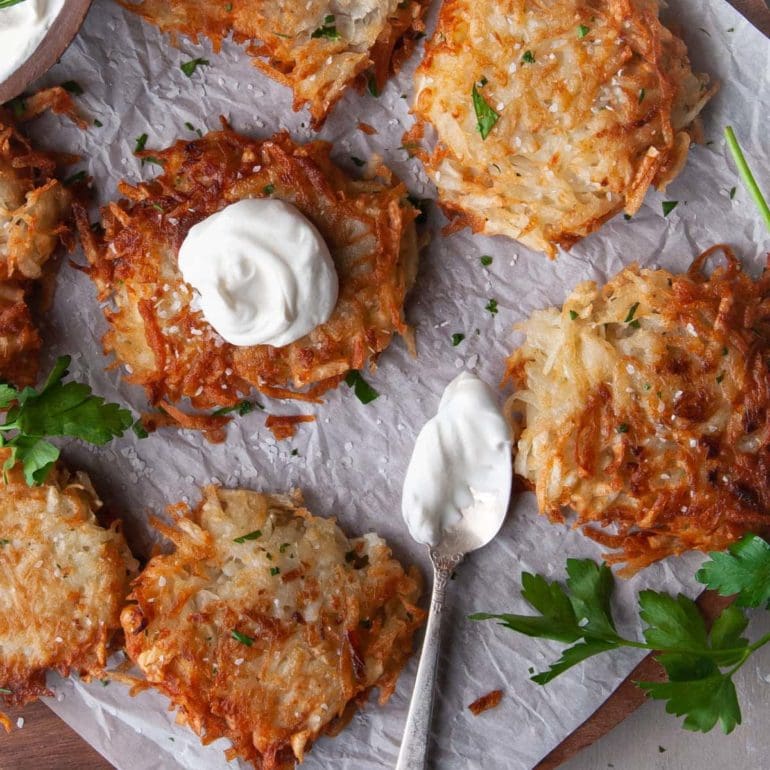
x: 56, y: 41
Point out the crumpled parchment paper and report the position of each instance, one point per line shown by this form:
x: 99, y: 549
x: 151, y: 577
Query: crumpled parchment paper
x: 351, y: 463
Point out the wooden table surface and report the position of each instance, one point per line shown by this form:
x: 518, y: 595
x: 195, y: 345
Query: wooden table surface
x: 45, y: 742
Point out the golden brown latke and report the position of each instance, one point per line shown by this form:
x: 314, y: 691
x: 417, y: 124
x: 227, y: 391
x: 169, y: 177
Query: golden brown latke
x: 595, y: 101
x: 63, y: 582
x: 34, y: 222
x: 315, y: 47
x: 169, y: 348
x: 267, y: 625
x: 646, y: 409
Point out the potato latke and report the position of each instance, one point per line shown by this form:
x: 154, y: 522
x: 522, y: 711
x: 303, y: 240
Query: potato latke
x: 584, y: 106
x: 63, y: 582
x: 646, y: 409
x: 267, y: 625
x: 315, y: 47
x: 167, y: 345
x: 34, y: 222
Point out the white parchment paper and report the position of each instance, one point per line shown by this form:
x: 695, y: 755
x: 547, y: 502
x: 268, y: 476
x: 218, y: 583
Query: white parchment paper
x: 351, y: 463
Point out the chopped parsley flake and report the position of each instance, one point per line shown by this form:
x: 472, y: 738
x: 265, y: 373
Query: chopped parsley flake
x: 457, y: 338
x: 242, y: 638
x: 642, y: 94
x: 190, y: 127
x: 141, y: 141
x: 528, y: 58
x: 328, y: 29
x: 242, y: 407
x: 98, y: 123
x: 357, y: 161
x: 275, y: 571
x: 573, y: 315
x: 268, y: 189
x: 720, y: 377
x: 372, y: 86
x: 732, y: 192
x: 486, y: 117
x: 4, y: 541
x: 77, y: 177
x: 365, y: 393
x: 189, y: 67
x: 294, y: 452
x: 582, y: 31
x: 73, y: 87
x: 283, y: 547
x: 668, y: 207
x: 623, y: 427
x: 139, y: 430
x: 255, y: 535
x: 486, y: 260
x: 491, y: 306
x: 632, y: 312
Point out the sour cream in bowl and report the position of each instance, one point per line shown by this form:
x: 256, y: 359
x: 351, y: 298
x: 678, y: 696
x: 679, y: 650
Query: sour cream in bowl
x: 33, y: 35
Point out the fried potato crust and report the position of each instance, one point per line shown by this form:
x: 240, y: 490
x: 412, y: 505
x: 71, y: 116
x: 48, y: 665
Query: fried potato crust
x: 34, y: 221
x: 315, y: 47
x: 267, y: 625
x: 169, y: 348
x: 63, y: 582
x: 645, y: 409
x: 596, y: 101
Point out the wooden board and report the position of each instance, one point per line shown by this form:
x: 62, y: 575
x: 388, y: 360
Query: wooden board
x: 47, y: 743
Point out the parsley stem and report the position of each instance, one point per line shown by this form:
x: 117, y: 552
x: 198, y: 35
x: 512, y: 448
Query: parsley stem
x: 747, y: 176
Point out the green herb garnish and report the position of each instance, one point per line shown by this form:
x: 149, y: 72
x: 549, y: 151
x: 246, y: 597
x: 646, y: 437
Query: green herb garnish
x: 582, y: 31
x: 457, y: 338
x: 56, y: 409
x: 328, y: 29
x: 700, y: 664
x: 747, y: 176
x: 357, y: 161
x: 486, y: 260
x: 141, y: 141
x: 631, y: 312
x: 491, y: 306
x: 668, y: 207
x: 275, y: 571
x: 242, y: 638
x: 242, y: 407
x: 528, y: 58
x: 78, y: 176
x: 255, y: 535
x: 486, y: 117
x: 573, y: 314
x: 189, y: 67
x: 365, y: 393
x: 73, y: 87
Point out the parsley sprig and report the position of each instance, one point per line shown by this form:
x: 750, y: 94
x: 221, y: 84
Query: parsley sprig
x: 700, y: 663
x: 56, y: 409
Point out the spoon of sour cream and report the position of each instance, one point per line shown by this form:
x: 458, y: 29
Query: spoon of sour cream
x: 456, y: 494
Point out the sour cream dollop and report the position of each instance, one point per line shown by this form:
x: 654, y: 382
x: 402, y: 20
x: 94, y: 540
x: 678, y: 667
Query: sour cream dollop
x: 22, y: 28
x: 461, y: 465
x: 263, y: 272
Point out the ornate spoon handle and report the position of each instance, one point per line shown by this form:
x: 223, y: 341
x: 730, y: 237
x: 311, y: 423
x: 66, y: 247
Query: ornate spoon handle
x: 414, y: 746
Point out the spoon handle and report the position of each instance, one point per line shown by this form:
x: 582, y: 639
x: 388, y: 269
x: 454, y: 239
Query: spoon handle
x: 414, y: 745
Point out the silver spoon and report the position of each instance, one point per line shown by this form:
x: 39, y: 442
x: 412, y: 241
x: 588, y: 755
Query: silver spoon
x: 469, y: 534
